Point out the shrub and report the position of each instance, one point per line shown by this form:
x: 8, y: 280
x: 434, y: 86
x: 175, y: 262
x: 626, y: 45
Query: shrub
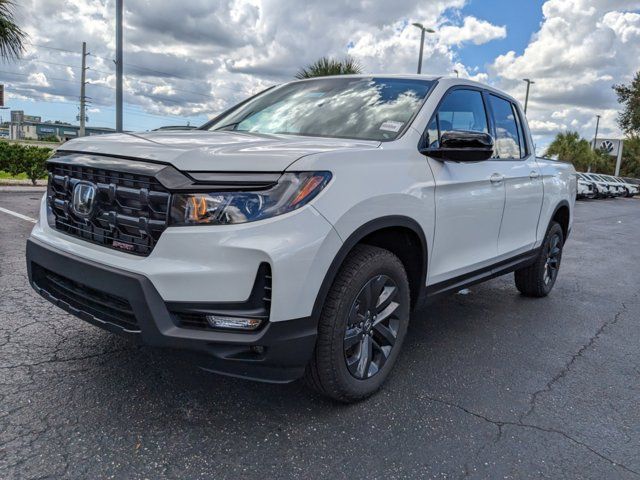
x: 30, y: 160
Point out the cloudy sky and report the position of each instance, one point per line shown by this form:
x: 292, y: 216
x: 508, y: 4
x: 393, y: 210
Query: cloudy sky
x: 186, y: 60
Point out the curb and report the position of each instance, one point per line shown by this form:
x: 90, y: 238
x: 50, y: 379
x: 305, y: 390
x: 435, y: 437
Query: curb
x: 21, y: 189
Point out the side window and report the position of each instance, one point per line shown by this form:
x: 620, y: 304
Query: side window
x: 523, y: 143
x: 463, y: 110
x: 432, y: 133
x: 507, y: 136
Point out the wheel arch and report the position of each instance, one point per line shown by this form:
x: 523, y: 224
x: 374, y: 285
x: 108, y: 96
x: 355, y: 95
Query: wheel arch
x: 380, y: 232
x: 562, y: 215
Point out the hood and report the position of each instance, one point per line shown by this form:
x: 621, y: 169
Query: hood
x: 214, y: 151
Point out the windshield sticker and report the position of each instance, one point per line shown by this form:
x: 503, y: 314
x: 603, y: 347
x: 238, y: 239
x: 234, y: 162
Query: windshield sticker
x: 390, y: 126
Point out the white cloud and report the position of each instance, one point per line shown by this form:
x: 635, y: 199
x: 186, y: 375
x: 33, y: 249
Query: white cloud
x: 199, y: 57
x: 38, y: 80
x: 471, y: 30
x: 582, y: 48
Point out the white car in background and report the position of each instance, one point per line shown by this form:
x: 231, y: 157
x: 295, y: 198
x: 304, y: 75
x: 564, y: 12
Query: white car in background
x: 630, y: 188
x: 619, y: 189
x: 601, y: 187
x: 585, y: 188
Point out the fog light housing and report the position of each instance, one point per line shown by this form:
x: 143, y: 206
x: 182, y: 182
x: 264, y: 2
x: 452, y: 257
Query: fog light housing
x: 233, y: 323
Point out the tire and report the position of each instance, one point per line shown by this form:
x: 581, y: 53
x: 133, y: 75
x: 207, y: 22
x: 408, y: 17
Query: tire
x: 538, y: 279
x: 346, y: 330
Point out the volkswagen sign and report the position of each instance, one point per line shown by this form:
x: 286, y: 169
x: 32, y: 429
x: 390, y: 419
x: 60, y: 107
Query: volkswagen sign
x: 607, y: 146
x: 84, y: 195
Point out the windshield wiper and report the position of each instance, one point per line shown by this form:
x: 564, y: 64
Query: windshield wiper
x: 234, y: 124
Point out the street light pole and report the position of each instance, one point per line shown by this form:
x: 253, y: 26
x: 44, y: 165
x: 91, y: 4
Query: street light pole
x: 423, y: 31
x: 595, y: 140
x: 119, y: 69
x: 595, y: 137
x: 421, y: 51
x: 526, y: 98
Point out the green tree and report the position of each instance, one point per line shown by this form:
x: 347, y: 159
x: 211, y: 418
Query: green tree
x: 631, y: 157
x: 629, y: 97
x: 329, y: 66
x: 569, y: 147
x: 12, y: 38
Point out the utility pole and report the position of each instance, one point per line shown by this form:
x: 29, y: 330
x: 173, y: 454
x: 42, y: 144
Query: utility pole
x: 526, y: 98
x: 119, y: 8
x: 83, y: 96
x: 423, y: 31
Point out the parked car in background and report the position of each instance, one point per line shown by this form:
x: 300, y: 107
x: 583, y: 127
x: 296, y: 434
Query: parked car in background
x: 615, y: 188
x: 631, y: 188
x: 585, y: 188
x: 292, y: 235
x: 601, y: 187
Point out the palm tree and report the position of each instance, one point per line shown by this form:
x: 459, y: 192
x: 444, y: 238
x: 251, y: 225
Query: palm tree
x: 12, y: 38
x: 570, y: 147
x: 329, y: 66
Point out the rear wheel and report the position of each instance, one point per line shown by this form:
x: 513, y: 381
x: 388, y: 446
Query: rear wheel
x: 362, y: 326
x: 538, y: 279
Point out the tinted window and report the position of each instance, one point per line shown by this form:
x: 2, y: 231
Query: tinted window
x: 363, y: 108
x: 523, y: 143
x: 463, y: 110
x: 507, y: 137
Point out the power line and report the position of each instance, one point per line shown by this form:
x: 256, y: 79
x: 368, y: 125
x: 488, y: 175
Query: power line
x: 54, y: 48
x: 133, y: 65
x: 156, y: 97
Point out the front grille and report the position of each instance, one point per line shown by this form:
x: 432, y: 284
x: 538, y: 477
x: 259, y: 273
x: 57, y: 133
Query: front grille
x: 103, y: 306
x: 130, y: 212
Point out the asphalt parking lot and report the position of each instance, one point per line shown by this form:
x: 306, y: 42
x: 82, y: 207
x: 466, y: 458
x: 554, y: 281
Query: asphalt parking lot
x: 490, y: 385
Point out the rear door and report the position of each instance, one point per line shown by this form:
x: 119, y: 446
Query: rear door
x: 521, y: 175
x: 469, y: 201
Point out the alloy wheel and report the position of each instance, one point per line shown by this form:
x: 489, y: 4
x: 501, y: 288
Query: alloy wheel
x: 372, y: 327
x: 552, y: 264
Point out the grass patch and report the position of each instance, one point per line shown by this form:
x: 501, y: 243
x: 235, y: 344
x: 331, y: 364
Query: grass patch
x: 7, y: 176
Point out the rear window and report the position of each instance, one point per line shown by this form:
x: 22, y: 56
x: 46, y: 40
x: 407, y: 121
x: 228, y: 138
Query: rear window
x: 508, y: 134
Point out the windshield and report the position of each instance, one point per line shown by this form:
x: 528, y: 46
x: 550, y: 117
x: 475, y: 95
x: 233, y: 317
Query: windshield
x: 360, y: 108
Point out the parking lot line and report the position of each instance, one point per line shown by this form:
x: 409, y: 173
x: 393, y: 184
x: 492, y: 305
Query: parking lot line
x: 19, y: 215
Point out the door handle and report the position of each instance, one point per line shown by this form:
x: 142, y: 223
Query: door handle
x: 534, y: 174
x: 496, y: 178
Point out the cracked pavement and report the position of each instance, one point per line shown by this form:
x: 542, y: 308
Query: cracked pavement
x: 490, y: 385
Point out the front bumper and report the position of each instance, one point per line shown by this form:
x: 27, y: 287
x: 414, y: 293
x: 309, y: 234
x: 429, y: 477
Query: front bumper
x: 127, y: 303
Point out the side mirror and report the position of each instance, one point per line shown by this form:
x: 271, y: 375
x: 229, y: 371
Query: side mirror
x: 462, y: 146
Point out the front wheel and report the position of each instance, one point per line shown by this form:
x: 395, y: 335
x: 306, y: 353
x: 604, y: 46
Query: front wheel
x: 362, y: 326
x: 538, y: 279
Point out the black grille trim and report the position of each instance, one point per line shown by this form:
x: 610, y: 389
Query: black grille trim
x: 101, y: 306
x: 131, y: 209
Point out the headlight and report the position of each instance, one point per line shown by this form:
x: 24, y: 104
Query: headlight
x: 292, y: 191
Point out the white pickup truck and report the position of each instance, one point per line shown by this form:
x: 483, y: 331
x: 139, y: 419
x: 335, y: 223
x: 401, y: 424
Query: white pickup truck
x: 292, y: 235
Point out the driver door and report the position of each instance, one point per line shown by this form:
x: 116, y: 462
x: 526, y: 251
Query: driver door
x: 469, y: 196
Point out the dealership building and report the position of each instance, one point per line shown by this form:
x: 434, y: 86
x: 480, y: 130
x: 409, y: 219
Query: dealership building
x: 28, y: 127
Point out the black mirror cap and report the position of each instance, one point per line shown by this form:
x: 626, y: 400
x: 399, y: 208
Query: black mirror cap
x: 462, y: 146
